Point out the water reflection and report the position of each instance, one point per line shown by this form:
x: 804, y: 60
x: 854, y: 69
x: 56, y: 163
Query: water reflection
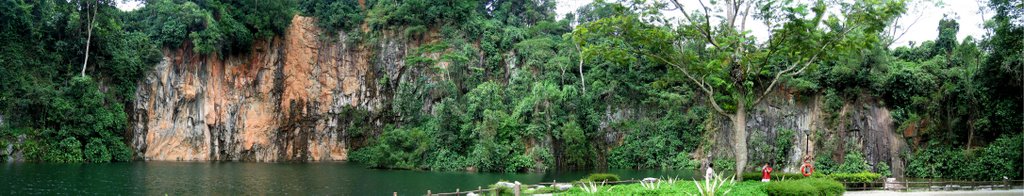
x: 235, y: 178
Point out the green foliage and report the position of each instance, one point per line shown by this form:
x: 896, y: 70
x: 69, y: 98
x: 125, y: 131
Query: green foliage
x: 883, y: 169
x: 69, y: 150
x: 332, y: 16
x: 790, y: 188
x: 1000, y: 158
x: 682, y: 161
x: 724, y: 165
x: 548, y: 189
x: 96, y: 151
x: 853, y: 162
x: 397, y: 148
x: 600, y: 177
x: 225, y: 26
x: 808, y: 186
x: 677, y: 188
x: 578, y: 151
x: 756, y: 176
x: 824, y: 164
x: 783, y: 143
x: 825, y: 186
x: 950, y: 163
x: 862, y: 177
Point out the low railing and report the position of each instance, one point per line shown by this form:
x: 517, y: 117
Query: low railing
x: 932, y: 185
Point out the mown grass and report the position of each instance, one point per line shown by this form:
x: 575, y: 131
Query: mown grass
x: 684, y: 187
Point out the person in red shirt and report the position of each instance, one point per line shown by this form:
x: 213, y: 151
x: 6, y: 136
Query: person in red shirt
x: 766, y: 173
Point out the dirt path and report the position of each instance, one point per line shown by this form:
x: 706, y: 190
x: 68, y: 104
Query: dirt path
x: 1014, y: 192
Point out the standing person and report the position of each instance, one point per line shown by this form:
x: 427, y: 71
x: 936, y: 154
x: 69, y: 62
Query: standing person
x: 710, y: 172
x: 766, y: 173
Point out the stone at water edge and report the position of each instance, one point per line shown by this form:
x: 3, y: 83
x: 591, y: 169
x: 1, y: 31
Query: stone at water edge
x: 649, y: 180
x: 563, y: 187
x: 506, y: 184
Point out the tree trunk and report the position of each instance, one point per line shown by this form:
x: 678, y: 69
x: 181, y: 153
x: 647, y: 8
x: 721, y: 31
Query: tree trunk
x: 582, y: 81
x: 88, y: 39
x: 739, y: 127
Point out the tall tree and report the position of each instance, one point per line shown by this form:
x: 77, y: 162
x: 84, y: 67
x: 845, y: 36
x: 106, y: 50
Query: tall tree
x: 92, y: 20
x: 735, y: 71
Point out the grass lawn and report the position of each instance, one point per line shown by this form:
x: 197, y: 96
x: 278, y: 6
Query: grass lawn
x: 684, y: 187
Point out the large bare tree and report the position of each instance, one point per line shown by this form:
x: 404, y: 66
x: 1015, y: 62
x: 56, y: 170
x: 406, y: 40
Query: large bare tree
x: 716, y: 51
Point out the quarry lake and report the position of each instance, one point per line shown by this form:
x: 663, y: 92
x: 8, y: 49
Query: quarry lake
x: 245, y: 178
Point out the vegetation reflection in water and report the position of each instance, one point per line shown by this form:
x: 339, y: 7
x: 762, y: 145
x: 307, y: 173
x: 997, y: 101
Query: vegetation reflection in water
x: 236, y: 178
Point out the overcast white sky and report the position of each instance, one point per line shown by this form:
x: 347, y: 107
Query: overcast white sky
x: 966, y: 11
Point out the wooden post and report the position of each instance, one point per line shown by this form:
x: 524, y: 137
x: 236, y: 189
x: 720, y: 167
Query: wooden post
x: 479, y: 189
x: 428, y: 192
x: 906, y: 185
x: 515, y: 190
x: 456, y: 192
x: 395, y: 194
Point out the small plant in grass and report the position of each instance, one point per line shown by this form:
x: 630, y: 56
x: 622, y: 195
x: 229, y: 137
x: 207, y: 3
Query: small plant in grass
x: 651, y: 185
x: 713, y: 185
x: 592, y: 188
x: 671, y: 180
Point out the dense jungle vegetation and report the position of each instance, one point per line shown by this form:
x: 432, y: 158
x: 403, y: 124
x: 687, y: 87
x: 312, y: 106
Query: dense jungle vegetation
x: 520, y: 77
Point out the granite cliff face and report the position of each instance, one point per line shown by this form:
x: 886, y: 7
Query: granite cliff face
x: 862, y: 125
x: 280, y: 102
x: 287, y: 99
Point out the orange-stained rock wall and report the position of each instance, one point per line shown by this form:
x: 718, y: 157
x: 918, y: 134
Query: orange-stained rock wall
x: 279, y: 102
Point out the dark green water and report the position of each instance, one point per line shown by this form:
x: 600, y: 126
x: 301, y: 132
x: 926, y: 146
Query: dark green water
x: 235, y: 178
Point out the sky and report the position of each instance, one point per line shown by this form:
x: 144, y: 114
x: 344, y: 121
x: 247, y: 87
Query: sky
x: 927, y: 16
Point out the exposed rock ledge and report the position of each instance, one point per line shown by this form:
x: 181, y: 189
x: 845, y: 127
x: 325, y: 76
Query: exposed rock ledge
x: 277, y: 103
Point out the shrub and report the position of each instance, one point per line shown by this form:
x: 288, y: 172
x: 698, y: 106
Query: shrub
x: 824, y: 164
x: 853, y: 162
x: 725, y: 165
x: 790, y: 188
x: 756, y: 176
x: 861, y: 177
x: 883, y: 169
x: 96, y: 152
x: 935, y: 162
x: 396, y: 149
x: 68, y: 150
x: 601, y: 177
x: 825, y: 186
x: 1002, y: 157
x: 807, y: 186
x: 120, y: 151
x: 682, y: 161
x: 447, y: 160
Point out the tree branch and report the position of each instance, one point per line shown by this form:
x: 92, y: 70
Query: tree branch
x: 710, y: 91
x: 806, y: 64
x: 706, y: 32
